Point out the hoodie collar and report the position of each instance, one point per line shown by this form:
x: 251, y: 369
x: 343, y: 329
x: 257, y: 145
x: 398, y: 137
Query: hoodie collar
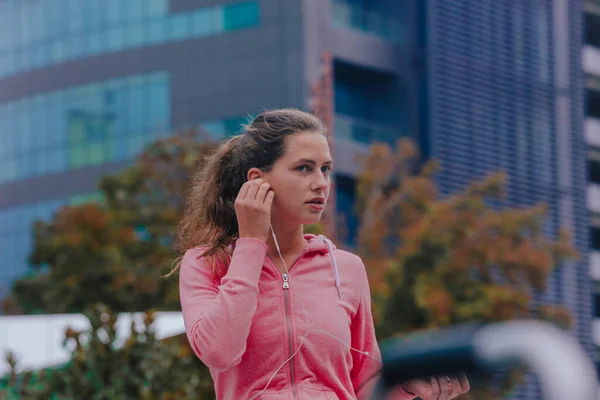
x: 318, y: 244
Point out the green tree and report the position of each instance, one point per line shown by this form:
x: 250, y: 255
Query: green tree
x: 435, y: 261
x: 100, y: 368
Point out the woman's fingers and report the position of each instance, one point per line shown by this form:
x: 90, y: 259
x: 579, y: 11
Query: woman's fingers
x: 455, y: 386
x: 422, y: 388
x: 243, y: 191
x: 269, y: 199
x: 464, y: 383
x: 459, y: 384
x: 443, y: 383
x: 438, y: 387
x: 253, y: 186
x: 261, y: 194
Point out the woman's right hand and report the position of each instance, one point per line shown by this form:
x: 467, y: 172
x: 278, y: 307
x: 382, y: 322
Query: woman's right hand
x: 253, y: 209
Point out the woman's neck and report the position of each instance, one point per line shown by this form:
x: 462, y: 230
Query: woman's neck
x: 290, y: 239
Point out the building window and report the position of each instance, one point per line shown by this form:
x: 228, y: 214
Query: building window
x: 35, y: 34
x: 387, y: 20
x: 240, y: 15
x: 594, y: 171
x: 593, y: 103
x: 84, y: 125
x: 594, y: 238
x: 596, y: 300
x: 16, y: 237
x: 592, y: 29
x: 345, y: 196
x: 369, y: 105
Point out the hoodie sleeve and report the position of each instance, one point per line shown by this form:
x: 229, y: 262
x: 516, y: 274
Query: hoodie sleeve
x: 217, y: 319
x: 365, y: 369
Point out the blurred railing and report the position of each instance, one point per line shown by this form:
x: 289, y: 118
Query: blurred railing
x: 368, y: 21
x: 357, y: 130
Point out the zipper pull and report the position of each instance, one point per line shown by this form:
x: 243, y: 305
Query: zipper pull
x: 286, y: 284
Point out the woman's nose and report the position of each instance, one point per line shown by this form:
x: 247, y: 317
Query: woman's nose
x: 320, y: 183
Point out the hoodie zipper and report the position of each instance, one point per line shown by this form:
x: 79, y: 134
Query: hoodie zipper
x: 286, y: 298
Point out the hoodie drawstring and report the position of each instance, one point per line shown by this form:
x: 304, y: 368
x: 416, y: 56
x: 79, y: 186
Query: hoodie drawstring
x: 336, y: 274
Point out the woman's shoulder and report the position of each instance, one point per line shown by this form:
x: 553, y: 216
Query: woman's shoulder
x: 194, y: 258
x: 349, y: 261
x: 348, y: 256
x: 197, y: 252
x: 202, y: 259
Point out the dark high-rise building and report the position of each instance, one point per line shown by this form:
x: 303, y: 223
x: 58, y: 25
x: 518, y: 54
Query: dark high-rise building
x: 506, y: 88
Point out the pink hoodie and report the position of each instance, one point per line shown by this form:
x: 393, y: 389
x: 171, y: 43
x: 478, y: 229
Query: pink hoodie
x: 246, y: 325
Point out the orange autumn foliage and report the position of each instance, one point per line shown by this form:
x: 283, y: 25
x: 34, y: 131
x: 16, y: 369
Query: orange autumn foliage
x: 435, y: 261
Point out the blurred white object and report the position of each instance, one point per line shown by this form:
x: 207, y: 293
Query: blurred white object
x: 563, y: 368
x: 561, y: 365
x: 37, y: 340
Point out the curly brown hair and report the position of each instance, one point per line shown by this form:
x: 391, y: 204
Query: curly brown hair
x: 209, y: 219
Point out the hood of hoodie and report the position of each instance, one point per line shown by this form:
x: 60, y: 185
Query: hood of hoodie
x: 317, y: 244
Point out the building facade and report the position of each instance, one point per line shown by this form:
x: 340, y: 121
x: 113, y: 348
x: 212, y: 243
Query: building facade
x: 507, y: 93
x: 482, y: 85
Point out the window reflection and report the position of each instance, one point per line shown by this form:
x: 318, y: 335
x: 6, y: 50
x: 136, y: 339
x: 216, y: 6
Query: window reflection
x: 16, y: 236
x: 83, y: 125
x: 38, y: 33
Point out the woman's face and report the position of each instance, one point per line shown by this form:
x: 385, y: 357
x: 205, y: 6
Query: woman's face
x: 301, y: 179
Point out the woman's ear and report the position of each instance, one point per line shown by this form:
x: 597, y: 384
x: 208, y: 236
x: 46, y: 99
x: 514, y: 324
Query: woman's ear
x: 254, y: 173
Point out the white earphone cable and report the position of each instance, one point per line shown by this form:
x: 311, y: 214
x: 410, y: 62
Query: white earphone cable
x: 366, y: 353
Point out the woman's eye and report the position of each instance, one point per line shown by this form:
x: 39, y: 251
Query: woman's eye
x: 302, y: 168
x: 326, y: 169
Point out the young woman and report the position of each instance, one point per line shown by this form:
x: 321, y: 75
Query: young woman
x: 274, y: 313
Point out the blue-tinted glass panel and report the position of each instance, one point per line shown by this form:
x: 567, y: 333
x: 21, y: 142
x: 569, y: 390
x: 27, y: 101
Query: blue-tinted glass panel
x: 206, y: 22
x: 240, y: 15
x: 135, y: 9
x: 16, y: 238
x: 156, y: 31
x: 157, y: 7
x: 34, y: 34
x: 84, y: 125
x: 115, y: 12
x: 116, y: 38
x: 388, y: 24
x: 180, y: 26
x: 134, y: 34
